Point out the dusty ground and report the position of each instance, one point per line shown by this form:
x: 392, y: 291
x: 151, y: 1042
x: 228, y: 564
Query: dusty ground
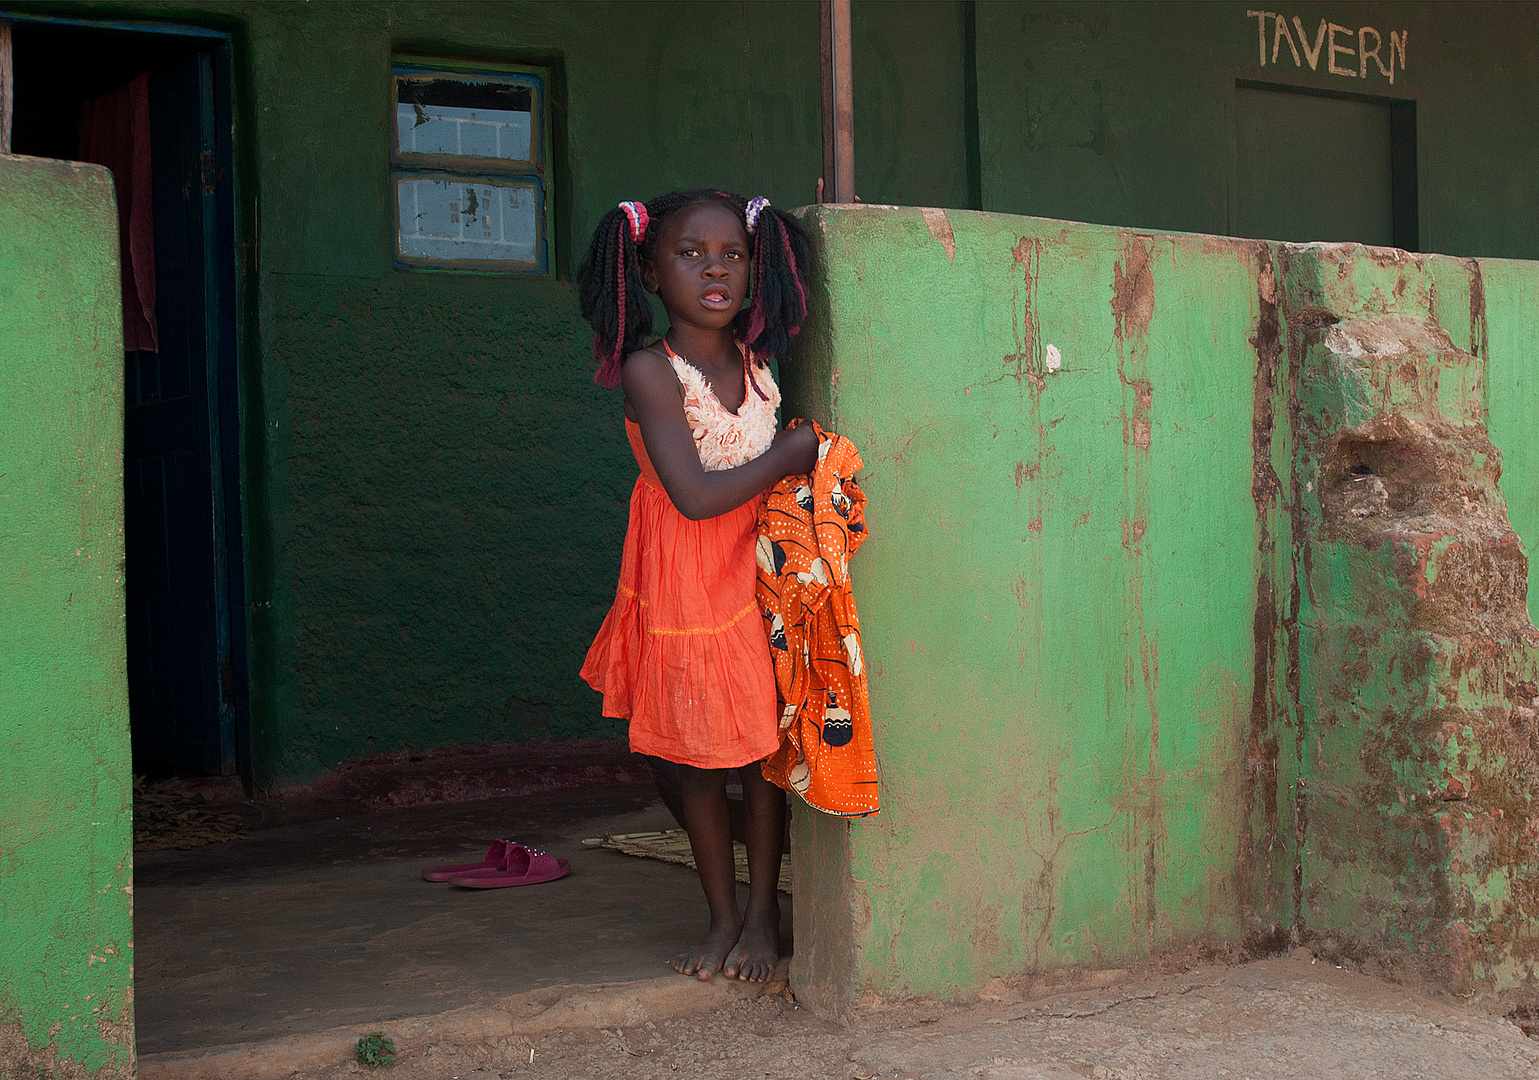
x: 1269, y: 1019
x: 269, y: 956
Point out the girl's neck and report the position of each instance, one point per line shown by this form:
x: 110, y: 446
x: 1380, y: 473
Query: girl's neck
x: 716, y: 347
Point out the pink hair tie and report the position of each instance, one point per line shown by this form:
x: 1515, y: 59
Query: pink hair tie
x: 755, y: 207
x: 637, y: 212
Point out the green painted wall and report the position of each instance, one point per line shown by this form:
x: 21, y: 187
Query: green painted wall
x: 434, y: 490
x: 1420, y: 671
x: 1145, y: 666
x: 1125, y: 113
x: 1057, y: 598
x: 1504, y: 327
x: 66, y: 870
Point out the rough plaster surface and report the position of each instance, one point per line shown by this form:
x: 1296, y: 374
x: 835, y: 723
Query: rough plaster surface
x: 1419, y: 749
x: 66, y: 933
x: 1059, y: 593
x: 1114, y: 633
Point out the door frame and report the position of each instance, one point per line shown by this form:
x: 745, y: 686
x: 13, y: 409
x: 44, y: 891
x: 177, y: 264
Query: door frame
x: 225, y: 420
x: 1405, y: 177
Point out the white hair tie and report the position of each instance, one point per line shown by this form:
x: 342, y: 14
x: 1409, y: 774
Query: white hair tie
x: 756, y: 207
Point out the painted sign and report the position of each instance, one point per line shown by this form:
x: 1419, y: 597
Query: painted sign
x: 1348, y: 58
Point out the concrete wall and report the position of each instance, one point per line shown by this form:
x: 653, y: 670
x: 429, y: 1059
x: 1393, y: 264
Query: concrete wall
x: 66, y: 870
x: 1134, y: 682
x: 1418, y: 737
x: 1057, y: 598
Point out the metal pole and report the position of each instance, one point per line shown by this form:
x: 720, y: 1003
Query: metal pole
x: 7, y: 88
x: 838, y: 103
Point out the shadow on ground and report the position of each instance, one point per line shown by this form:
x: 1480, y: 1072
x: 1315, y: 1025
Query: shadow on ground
x: 319, y: 919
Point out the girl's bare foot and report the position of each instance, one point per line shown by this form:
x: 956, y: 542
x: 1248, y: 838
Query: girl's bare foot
x: 706, y: 959
x: 757, y: 951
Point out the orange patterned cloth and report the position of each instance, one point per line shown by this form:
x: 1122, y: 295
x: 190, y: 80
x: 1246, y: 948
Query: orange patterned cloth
x: 809, y: 526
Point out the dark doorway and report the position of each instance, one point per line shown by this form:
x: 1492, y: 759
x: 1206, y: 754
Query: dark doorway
x: 184, y: 580
x: 1323, y: 167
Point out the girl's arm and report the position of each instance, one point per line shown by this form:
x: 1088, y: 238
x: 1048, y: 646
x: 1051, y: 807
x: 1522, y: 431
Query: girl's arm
x: 652, y: 392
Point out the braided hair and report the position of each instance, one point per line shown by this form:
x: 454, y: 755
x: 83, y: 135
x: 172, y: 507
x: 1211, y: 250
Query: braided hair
x: 614, y: 301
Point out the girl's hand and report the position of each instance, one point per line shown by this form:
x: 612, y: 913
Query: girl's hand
x: 800, y: 447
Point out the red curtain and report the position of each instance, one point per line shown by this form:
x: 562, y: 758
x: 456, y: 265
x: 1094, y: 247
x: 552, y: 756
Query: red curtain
x: 115, y: 132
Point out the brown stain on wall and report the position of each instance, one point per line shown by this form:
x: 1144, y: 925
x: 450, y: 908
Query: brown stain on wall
x: 1132, y: 307
x: 1025, y: 364
x: 1261, y: 749
x: 1133, y: 289
x: 44, y: 1061
x: 1132, y: 304
x: 1297, y: 324
x: 1267, y: 343
x: 1479, y: 343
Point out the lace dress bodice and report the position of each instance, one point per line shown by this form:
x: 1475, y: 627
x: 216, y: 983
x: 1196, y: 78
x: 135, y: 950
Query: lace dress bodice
x: 726, y: 440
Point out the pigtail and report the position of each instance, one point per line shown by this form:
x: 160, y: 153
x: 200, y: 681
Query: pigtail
x: 610, y: 292
x: 779, y: 305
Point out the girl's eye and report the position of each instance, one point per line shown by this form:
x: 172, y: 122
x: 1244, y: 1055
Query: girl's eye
x: 734, y: 254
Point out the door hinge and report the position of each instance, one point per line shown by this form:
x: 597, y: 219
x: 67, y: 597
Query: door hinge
x: 210, y: 174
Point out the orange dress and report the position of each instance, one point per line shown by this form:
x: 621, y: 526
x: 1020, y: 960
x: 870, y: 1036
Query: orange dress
x: 683, y: 653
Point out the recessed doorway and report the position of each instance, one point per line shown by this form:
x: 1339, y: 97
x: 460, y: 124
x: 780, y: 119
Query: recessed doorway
x: 1318, y: 167
x: 154, y: 106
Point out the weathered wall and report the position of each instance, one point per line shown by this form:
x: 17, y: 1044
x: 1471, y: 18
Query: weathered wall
x: 1057, y: 597
x: 66, y: 930
x: 1420, y: 674
x: 1190, y: 591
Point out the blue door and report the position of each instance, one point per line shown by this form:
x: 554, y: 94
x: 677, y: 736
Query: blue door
x: 180, y: 672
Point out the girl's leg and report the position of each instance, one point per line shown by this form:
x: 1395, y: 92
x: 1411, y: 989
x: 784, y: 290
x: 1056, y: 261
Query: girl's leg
x: 758, y: 947
x: 710, y: 838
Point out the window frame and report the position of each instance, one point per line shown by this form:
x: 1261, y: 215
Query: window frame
x: 456, y: 168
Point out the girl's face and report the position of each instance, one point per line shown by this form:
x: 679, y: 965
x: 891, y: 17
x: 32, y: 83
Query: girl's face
x: 700, y: 266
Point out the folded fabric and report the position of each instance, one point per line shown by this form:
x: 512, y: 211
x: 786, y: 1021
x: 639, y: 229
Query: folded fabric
x: 809, y: 527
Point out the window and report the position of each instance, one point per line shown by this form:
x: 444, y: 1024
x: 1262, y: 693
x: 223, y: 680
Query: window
x: 469, y: 167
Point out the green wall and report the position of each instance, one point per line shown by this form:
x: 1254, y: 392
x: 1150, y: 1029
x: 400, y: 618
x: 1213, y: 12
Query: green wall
x: 1125, y: 113
x: 434, y: 489
x: 66, y: 870
x: 1057, y: 598
x: 1146, y: 668
x: 1419, y: 748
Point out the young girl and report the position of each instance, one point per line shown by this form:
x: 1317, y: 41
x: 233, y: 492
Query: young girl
x: 683, y: 653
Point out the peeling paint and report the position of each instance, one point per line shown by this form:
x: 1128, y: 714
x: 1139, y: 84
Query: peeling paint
x: 940, y: 229
x: 1420, y: 659
x: 1363, y: 784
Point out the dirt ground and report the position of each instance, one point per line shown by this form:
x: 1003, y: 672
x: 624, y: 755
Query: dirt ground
x: 1286, y: 1017
x: 269, y: 956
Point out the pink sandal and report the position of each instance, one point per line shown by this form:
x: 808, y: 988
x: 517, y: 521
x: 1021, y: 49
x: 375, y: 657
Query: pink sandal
x: 494, y: 857
x: 520, y: 865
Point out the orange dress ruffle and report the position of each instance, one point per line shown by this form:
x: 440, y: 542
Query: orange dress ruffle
x: 683, y: 653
